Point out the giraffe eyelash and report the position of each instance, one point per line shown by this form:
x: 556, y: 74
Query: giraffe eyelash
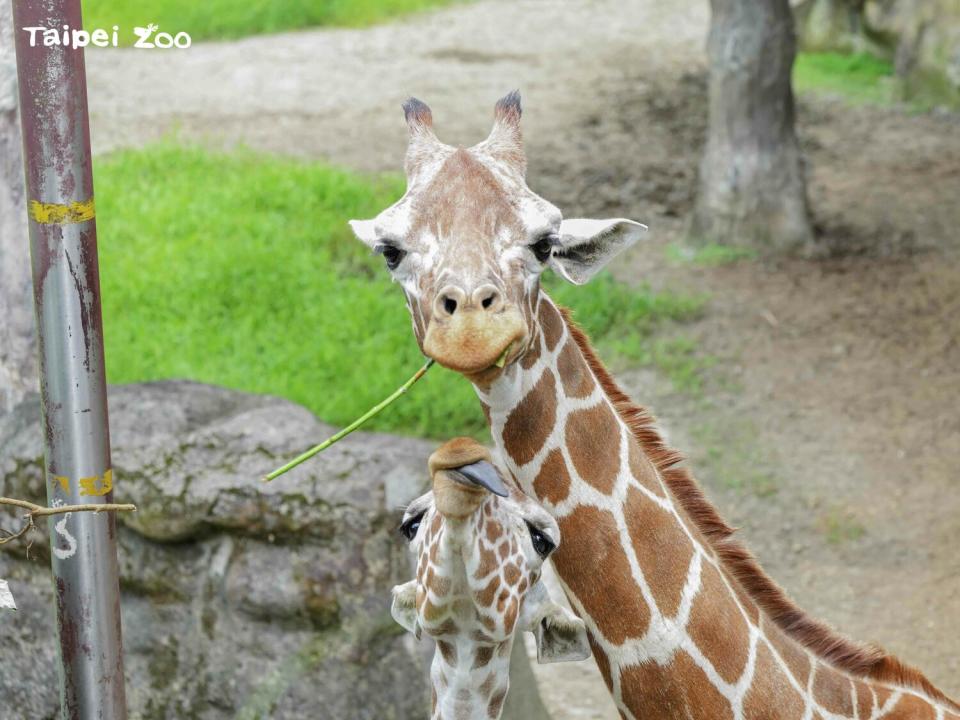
x: 392, y: 254
x: 410, y: 527
x: 545, y: 246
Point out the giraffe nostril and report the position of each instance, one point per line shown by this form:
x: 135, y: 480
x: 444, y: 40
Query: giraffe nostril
x: 488, y: 297
x: 449, y: 300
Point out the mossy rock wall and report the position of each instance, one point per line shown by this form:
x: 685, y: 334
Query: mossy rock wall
x: 239, y: 599
x: 921, y: 37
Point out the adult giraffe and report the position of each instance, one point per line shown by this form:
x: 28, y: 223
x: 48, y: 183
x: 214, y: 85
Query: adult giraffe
x: 682, y: 620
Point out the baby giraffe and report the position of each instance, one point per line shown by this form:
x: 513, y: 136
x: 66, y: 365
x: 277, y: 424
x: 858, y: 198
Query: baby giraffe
x: 480, y: 548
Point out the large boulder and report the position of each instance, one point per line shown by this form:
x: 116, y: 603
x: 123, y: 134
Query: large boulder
x: 240, y: 599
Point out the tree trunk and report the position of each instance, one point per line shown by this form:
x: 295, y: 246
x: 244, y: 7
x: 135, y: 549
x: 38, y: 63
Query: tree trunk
x: 18, y: 362
x: 752, y: 190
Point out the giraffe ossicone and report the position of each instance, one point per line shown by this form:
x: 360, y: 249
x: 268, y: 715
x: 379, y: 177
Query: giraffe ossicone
x: 480, y: 547
x: 688, y: 625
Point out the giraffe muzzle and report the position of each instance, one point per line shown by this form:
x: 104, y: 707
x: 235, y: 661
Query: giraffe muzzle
x: 473, y: 340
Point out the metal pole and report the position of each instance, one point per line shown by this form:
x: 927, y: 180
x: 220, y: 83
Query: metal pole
x: 66, y: 284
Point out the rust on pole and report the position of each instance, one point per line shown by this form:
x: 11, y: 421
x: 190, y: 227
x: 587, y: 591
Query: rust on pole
x: 66, y: 284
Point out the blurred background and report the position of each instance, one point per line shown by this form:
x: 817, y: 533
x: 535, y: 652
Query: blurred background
x: 792, y: 318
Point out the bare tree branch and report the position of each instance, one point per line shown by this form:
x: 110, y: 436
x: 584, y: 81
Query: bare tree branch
x: 36, y: 511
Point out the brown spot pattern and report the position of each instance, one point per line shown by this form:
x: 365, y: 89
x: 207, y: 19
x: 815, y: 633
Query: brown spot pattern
x: 487, y: 685
x: 448, y: 650
x: 485, y: 596
x: 832, y: 690
x: 553, y: 481
x: 531, y: 356
x: 482, y: 656
x: 703, y: 700
x: 678, y: 690
x: 643, y: 470
x: 487, y: 564
x: 603, y: 663
x: 449, y: 627
x: 510, y: 617
x: 910, y: 707
x: 662, y: 548
x: 793, y: 655
x: 577, y: 380
x: 593, y: 440
x: 496, y: 703
x: 747, y: 603
x: 432, y: 612
x: 864, y: 700
x: 717, y: 627
x: 770, y: 692
x: 882, y: 694
x: 531, y: 421
x: 592, y: 557
x: 440, y: 585
x: 486, y: 412
x: 551, y: 324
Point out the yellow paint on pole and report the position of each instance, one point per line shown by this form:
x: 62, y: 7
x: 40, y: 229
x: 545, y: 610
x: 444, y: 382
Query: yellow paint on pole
x: 64, y: 482
x: 57, y: 214
x: 95, y: 486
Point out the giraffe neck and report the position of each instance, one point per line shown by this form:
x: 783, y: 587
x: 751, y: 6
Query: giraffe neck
x: 470, y: 672
x: 470, y: 681
x: 673, y: 631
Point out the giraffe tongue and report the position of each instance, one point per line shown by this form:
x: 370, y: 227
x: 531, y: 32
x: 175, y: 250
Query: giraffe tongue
x: 483, y: 474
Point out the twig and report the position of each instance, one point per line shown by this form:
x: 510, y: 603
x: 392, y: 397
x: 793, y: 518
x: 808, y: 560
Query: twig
x: 36, y: 511
x: 351, y: 427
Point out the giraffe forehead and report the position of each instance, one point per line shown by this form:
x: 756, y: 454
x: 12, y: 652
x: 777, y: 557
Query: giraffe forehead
x: 469, y: 201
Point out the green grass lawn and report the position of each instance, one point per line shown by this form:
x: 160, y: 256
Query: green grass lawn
x: 240, y: 270
x: 228, y: 19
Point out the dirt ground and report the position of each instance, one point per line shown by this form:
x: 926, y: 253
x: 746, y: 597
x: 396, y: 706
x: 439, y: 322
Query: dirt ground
x: 828, y: 428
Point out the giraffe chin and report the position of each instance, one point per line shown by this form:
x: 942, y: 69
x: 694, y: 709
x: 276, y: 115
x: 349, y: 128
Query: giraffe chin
x: 476, y: 343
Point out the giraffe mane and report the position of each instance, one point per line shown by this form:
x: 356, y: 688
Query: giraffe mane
x: 867, y: 661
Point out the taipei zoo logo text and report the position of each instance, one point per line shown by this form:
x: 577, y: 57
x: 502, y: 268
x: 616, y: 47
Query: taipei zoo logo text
x: 147, y: 38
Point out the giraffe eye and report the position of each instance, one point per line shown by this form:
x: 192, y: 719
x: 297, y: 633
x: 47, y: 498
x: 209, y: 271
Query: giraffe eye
x: 543, y: 248
x: 541, y: 543
x: 409, y: 528
x: 391, y: 254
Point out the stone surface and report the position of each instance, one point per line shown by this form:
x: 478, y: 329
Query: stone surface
x: 239, y: 599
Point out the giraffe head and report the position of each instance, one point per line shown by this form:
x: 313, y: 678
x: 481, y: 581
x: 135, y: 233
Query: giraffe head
x: 480, y: 548
x: 468, y: 241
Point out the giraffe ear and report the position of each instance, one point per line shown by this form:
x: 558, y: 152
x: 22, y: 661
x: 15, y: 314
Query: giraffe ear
x: 404, y: 606
x: 561, y: 636
x: 587, y: 245
x: 365, y: 231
